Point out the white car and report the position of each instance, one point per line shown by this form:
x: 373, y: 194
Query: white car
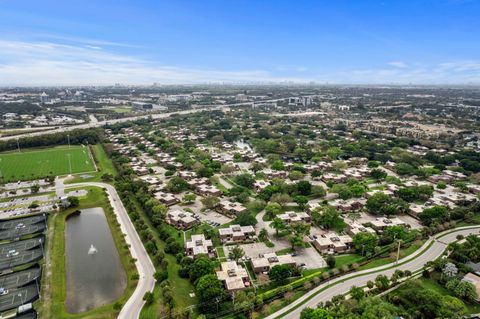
x: 12, y: 253
x: 3, y: 291
x: 20, y: 226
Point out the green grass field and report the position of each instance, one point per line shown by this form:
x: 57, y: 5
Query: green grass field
x: 39, y: 163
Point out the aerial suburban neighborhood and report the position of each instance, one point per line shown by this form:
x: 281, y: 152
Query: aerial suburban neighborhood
x: 241, y: 209
x: 240, y: 159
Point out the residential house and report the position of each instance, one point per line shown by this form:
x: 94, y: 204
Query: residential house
x: 236, y: 233
x: 166, y: 198
x: 229, y: 208
x: 265, y: 262
x: 294, y: 217
x: 233, y: 276
x: 181, y: 219
x: 333, y: 243
x: 199, y: 245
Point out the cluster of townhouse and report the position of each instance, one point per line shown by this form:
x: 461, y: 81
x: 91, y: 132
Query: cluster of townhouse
x: 233, y: 275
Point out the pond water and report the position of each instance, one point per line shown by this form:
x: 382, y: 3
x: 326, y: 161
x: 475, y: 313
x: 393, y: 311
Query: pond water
x: 95, y: 275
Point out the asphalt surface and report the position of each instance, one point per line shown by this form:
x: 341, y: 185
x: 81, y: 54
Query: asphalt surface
x: 145, y: 268
x: 413, y: 263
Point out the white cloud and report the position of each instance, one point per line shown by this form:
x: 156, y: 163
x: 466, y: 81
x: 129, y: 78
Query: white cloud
x: 47, y: 63
x: 88, y: 63
x: 398, y: 64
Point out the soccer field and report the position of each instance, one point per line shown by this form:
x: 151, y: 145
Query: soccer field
x: 33, y: 164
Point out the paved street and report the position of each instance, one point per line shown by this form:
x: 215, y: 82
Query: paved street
x: 145, y: 268
x: 413, y: 262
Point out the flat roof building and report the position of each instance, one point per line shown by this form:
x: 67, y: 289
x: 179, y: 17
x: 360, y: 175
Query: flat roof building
x: 267, y: 261
x: 233, y: 276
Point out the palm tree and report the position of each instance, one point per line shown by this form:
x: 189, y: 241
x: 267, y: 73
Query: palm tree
x: 277, y: 224
x: 236, y: 253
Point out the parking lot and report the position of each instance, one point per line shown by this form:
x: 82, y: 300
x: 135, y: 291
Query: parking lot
x: 213, y: 216
x: 14, y: 212
x: 307, y: 257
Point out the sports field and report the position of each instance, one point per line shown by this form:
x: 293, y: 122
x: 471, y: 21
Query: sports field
x: 39, y: 163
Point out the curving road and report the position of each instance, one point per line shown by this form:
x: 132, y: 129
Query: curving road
x: 145, y: 268
x: 343, y: 284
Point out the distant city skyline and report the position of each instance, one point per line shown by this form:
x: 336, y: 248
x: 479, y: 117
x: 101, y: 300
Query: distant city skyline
x: 193, y: 42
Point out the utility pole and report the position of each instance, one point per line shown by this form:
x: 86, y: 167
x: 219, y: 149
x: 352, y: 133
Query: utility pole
x: 68, y: 138
x: 398, y: 251
x: 69, y: 163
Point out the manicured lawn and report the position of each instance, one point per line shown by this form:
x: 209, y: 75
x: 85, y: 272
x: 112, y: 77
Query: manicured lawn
x: 40, y: 163
x: 345, y: 260
x: 386, y: 260
x: 52, y: 304
x: 220, y: 252
x: 104, y: 166
x: 285, y: 251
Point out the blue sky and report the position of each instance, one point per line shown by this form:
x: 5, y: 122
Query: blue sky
x: 140, y: 42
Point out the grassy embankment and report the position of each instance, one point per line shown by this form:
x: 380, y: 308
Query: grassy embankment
x: 54, y: 292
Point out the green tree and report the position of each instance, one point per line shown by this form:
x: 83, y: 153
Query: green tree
x: 378, y: 174
x: 304, y: 188
x: 278, y: 165
x: 328, y: 218
x: 246, y: 219
x: 331, y: 261
x: 382, y: 282
x: 357, y: 293
x: 189, y: 198
x: 382, y: 204
x: 73, y: 201
x: 272, y: 209
x: 365, y: 242
x: 319, y: 313
x: 295, y: 241
x: 277, y: 224
x: 201, y: 266
x: 210, y: 202
x: 301, y: 201
x: 236, y: 253
x: 280, y: 273
x: 177, y: 184
x: 209, y: 291
x: 434, y: 214
x: 245, y: 180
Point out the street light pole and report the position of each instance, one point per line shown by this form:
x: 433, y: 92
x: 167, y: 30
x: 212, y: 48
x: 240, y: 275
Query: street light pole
x: 398, y: 251
x: 69, y: 163
x: 68, y: 137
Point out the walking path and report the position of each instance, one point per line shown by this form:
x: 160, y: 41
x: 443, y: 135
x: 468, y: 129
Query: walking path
x: 145, y: 268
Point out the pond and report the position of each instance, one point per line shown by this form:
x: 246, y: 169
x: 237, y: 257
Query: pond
x: 95, y: 275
